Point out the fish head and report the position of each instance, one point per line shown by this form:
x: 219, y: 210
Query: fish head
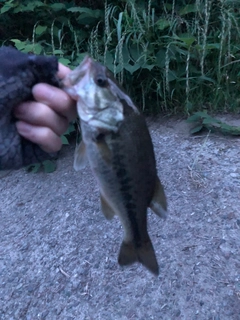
x: 97, y: 102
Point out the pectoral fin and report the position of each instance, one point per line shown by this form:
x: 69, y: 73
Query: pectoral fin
x: 159, y: 202
x: 80, y: 157
x: 104, y: 150
x: 106, y: 208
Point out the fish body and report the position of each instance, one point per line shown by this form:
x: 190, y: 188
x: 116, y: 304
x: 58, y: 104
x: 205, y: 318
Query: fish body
x: 117, y: 144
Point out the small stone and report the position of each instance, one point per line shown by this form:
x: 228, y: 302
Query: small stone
x: 177, y: 313
x: 225, y: 249
x: 234, y: 175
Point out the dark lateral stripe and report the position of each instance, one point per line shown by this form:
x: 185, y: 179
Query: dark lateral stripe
x: 126, y: 188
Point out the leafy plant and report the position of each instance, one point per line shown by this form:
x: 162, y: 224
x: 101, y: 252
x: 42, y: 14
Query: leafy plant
x: 175, y: 56
x: 203, y: 121
x: 52, y: 28
x: 71, y: 129
x: 47, y: 166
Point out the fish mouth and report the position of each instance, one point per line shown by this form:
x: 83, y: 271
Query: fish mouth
x: 86, y: 64
x: 72, y: 80
x: 97, y: 105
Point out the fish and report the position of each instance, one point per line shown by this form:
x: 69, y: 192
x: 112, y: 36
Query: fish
x: 117, y: 144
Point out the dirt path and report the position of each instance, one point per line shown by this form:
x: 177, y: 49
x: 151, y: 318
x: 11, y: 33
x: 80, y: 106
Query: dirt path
x: 58, y: 255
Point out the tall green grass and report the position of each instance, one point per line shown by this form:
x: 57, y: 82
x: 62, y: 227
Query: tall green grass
x: 177, y: 57
x: 172, y: 55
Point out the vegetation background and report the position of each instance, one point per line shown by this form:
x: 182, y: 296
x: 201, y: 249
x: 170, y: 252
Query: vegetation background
x: 177, y: 56
x: 58, y: 255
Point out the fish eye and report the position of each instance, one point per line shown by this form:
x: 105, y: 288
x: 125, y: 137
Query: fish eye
x: 101, y: 81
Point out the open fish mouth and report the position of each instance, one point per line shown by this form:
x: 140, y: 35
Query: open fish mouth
x: 97, y: 104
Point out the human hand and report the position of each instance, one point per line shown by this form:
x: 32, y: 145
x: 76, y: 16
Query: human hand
x: 44, y: 121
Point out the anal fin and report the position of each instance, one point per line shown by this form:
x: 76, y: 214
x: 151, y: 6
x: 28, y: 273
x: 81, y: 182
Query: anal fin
x: 106, y: 208
x: 159, y: 202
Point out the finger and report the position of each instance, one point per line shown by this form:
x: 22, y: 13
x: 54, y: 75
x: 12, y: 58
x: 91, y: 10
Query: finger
x: 39, y: 114
x: 43, y: 136
x: 57, y: 99
x: 62, y: 71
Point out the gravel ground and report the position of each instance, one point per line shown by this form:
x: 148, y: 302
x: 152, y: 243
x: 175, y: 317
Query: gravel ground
x: 58, y: 255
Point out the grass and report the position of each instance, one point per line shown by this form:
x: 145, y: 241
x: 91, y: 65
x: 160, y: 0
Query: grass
x: 177, y: 57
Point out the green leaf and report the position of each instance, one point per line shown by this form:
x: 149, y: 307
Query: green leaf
x: 34, y: 168
x: 135, y: 52
x: 188, y: 40
x: 202, y: 114
x: 196, y: 129
x: 84, y: 19
x: 171, y: 76
x: 81, y: 56
x: 70, y: 129
x: 162, y: 24
x: 209, y: 46
x: 89, y: 12
x: 189, y: 8
x: 8, y: 6
x: 64, y: 61
x: 19, y: 44
x: 49, y: 166
x: 64, y: 139
x: 58, y: 52
x: 119, y: 68
x: 181, y: 51
x: 210, y: 120
x: 58, y: 6
x: 161, y: 58
x: 131, y: 68
x: 37, y: 48
x: 31, y: 6
x: 207, y: 79
x: 40, y: 29
x: 233, y: 130
x: 109, y: 59
x: 189, y: 106
x: 27, y: 47
x: 148, y: 66
x: 193, y: 118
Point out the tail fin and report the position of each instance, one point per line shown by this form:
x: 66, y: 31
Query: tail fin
x: 144, y: 254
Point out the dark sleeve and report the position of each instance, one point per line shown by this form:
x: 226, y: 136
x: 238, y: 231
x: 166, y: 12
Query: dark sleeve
x: 19, y: 72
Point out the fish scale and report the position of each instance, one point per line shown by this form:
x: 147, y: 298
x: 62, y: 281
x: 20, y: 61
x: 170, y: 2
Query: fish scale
x: 137, y: 187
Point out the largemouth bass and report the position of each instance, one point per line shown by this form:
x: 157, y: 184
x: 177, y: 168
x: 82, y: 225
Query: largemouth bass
x: 117, y: 144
